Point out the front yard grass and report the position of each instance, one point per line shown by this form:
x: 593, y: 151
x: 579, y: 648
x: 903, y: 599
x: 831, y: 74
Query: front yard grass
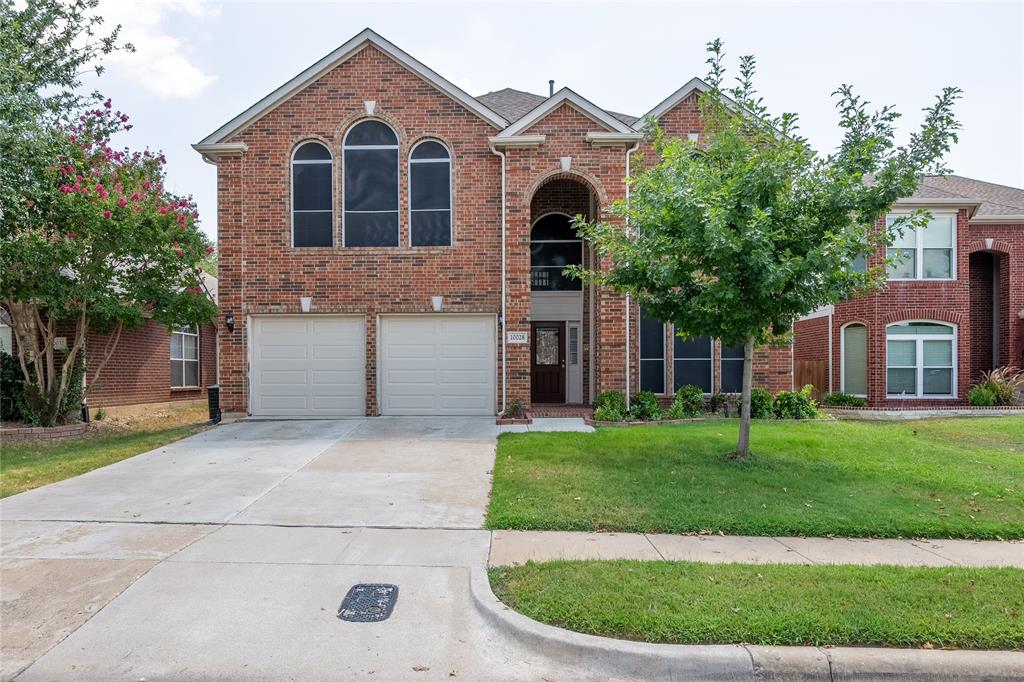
x: 773, y: 604
x: 959, y: 478
x: 24, y: 466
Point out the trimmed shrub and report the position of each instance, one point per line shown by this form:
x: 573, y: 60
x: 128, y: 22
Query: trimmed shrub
x: 688, y: 402
x: 979, y: 396
x: 513, y: 410
x: 645, y: 407
x: 607, y: 414
x: 612, y: 400
x: 761, y: 404
x: 843, y: 400
x: 796, y: 404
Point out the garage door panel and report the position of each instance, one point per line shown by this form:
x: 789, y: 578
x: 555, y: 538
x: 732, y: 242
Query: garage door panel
x: 308, y: 366
x: 437, y: 364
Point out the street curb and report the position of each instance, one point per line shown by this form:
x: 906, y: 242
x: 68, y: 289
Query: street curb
x: 672, y: 662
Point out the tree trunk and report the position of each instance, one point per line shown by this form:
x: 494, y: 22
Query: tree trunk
x: 743, y: 446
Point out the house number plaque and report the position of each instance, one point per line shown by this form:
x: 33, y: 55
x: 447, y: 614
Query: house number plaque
x: 518, y: 337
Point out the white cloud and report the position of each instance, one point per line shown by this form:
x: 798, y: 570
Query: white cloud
x: 161, y: 63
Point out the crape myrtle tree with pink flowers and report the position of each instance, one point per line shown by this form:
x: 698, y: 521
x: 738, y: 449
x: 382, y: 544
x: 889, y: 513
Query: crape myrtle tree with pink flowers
x: 92, y: 239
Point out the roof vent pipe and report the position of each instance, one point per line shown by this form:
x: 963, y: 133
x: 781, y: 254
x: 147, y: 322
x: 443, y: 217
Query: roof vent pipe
x: 551, y: 88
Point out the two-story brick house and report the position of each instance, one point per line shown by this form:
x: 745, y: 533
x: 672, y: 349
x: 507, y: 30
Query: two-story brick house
x: 952, y: 307
x: 392, y: 245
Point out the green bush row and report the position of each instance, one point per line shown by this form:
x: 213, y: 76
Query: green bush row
x: 689, y: 402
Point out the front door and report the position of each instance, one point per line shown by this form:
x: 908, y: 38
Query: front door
x: 548, y: 363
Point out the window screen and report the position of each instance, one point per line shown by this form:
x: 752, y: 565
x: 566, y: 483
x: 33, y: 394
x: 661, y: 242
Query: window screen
x: 691, y: 363
x: 371, y: 185
x: 855, y: 360
x: 430, y: 195
x: 312, y: 196
x: 732, y: 369
x: 652, y: 354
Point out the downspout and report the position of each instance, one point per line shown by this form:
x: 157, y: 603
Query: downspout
x: 501, y: 315
x: 629, y: 305
x: 831, y: 311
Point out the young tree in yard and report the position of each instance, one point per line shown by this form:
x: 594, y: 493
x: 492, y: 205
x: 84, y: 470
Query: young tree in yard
x: 738, y: 235
x: 91, y: 239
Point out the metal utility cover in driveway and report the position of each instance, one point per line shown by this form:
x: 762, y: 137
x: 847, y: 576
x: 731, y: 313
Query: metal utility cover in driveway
x: 368, y: 603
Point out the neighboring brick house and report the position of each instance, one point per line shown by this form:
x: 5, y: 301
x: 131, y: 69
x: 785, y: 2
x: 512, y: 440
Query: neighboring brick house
x: 390, y: 245
x: 150, y: 364
x: 951, y: 309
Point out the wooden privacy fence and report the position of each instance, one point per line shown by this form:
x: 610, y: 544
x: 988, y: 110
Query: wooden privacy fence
x: 814, y: 372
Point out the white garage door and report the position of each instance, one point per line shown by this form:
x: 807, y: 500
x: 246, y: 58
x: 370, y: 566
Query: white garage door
x: 437, y: 364
x: 308, y: 365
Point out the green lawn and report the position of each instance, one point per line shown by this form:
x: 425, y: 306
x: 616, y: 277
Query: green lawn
x: 775, y: 604
x: 24, y: 466
x: 930, y: 478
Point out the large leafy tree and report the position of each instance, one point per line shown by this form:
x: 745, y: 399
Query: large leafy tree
x: 91, y: 238
x: 737, y: 235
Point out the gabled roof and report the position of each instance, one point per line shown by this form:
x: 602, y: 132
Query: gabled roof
x: 338, y: 56
x: 563, y: 96
x: 691, y: 86
x: 511, y: 103
x: 995, y: 202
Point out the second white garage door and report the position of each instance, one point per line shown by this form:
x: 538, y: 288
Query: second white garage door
x: 437, y: 364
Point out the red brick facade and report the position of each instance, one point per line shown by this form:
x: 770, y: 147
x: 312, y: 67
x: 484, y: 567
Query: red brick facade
x: 262, y: 273
x: 968, y: 302
x: 139, y: 371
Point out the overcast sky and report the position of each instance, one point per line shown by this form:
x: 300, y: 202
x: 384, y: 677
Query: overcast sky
x: 198, y: 63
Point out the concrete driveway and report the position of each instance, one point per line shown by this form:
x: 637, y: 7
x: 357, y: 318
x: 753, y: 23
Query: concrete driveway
x: 226, y: 555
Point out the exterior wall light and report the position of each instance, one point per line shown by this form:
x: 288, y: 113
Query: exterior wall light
x: 437, y: 302
x: 229, y: 322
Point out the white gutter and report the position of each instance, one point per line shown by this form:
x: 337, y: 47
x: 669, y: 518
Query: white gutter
x: 504, y: 335
x: 629, y: 151
x: 213, y: 151
x: 516, y: 141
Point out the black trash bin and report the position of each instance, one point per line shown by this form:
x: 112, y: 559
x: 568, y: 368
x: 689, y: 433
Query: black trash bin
x: 213, y: 397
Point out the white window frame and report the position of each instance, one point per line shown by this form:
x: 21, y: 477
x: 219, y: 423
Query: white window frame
x: 451, y: 193
x: 919, y: 249
x: 291, y: 189
x: 183, y: 332
x: 842, y: 358
x: 919, y: 360
x: 641, y: 359
x: 398, y: 178
x: 711, y: 362
x: 552, y: 241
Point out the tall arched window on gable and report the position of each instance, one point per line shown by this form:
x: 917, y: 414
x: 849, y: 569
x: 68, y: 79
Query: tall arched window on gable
x: 371, y: 185
x: 312, y: 196
x: 553, y: 246
x: 430, y: 195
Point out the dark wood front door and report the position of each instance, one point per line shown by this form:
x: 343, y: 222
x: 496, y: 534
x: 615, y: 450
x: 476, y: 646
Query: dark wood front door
x: 548, y: 362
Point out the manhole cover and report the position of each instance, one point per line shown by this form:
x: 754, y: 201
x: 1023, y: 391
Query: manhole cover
x: 368, y: 603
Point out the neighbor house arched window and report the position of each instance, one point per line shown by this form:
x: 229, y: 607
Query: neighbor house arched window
x: 371, y: 185
x: 920, y: 360
x: 553, y: 246
x: 854, y: 375
x: 430, y: 195
x: 312, y: 196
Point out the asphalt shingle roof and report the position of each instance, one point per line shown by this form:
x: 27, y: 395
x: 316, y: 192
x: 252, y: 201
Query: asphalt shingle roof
x: 514, y: 104
x: 996, y: 200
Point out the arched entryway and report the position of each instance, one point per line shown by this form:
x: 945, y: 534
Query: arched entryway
x: 561, y: 307
x: 989, y: 312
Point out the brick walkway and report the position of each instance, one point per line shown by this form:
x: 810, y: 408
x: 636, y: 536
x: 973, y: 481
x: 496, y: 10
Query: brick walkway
x: 515, y: 547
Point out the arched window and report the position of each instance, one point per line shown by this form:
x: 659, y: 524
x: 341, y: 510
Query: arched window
x: 553, y: 246
x: 371, y: 185
x: 312, y: 196
x: 920, y: 360
x: 853, y: 377
x: 430, y: 195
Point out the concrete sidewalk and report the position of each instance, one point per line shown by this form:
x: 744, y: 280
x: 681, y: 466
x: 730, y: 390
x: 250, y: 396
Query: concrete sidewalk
x: 517, y: 547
